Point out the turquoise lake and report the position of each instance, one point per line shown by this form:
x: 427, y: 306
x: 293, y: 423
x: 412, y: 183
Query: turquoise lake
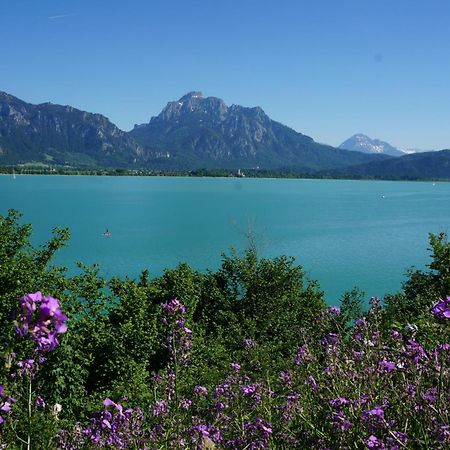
x: 343, y: 233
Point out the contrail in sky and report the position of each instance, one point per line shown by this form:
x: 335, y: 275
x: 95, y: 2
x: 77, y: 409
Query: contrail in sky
x: 60, y: 16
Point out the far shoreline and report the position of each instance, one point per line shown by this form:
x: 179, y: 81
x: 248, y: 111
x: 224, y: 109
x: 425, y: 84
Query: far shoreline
x: 200, y: 173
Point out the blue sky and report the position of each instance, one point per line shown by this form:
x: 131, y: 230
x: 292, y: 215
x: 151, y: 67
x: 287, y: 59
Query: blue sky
x: 327, y: 68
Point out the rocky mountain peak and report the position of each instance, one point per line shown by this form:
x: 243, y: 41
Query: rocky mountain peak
x: 193, y: 104
x: 361, y: 143
x: 191, y: 95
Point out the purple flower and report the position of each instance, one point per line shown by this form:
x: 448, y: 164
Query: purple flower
x: 330, y: 340
x: 430, y: 394
x: 376, y: 412
x: 249, y: 343
x: 387, y: 366
x: 339, y: 402
x: 43, y: 324
x: 257, y: 433
x: 312, y: 382
x: 444, y: 433
x: 5, y: 404
x: 173, y: 307
x: 201, y: 391
x: 252, y: 391
x: 6, y: 407
x: 441, y: 309
x: 396, y: 438
x: 302, y: 356
x: 205, y: 433
x: 334, y: 311
x: 340, y: 422
x: 415, y: 351
x: 179, y: 337
x: 285, y: 378
x: 40, y: 403
x: 185, y: 404
x: 375, y: 418
x: 108, y: 402
x: 160, y: 408
x: 235, y: 366
x: 396, y: 335
x: 374, y: 443
x: 26, y: 368
x: 441, y: 348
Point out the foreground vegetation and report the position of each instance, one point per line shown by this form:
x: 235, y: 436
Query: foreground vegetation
x: 248, y: 357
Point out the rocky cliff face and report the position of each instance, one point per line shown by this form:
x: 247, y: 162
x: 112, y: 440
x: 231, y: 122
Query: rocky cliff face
x: 61, y: 135
x: 200, y: 131
x: 207, y: 127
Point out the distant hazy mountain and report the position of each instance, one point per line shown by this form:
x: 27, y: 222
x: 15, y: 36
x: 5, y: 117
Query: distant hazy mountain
x: 62, y: 135
x: 363, y: 143
x: 197, y: 131
x: 431, y: 165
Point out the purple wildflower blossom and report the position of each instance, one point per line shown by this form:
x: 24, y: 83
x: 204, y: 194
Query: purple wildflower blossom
x: 339, y: 402
x: 116, y: 428
x: 312, y: 382
x: 161, y: 408
x: 201, y: 391
x: 39, y: 402
x: 302, y: 355
x: 334, y: 311
x: 285, y: 378
x: 444, y: 433
x: 5, y: 404
x: 431, y: 394
x: 396, y: 440
x: 396, y: 336
x: 174, y: 307
x: 387, y: 366
x: 252, y: 391
x: 42, y: 323
x: 26, y: 367
x: 374, y: 443
x: 339, y: 421
x: 236, y: 367
x: 185, y: 403
x: 258, y: 432
x: 415, y: 351
x: 249, y: 343
x: 179, y: 337
x: 441, y: 309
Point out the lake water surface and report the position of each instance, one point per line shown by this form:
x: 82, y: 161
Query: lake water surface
x: 343, y: 233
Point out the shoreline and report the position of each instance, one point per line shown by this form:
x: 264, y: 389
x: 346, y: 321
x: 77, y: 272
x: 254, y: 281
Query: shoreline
x: 203, y: 173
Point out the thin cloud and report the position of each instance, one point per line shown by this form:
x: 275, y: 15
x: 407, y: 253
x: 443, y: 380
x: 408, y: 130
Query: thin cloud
x: 60, y: 16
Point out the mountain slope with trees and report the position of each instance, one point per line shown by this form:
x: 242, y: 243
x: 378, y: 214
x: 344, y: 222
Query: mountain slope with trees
x: 197, y: 131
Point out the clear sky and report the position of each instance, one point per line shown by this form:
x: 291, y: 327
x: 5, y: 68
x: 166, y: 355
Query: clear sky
x: 327, y: 68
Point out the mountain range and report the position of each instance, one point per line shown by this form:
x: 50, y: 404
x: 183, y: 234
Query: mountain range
x: 193, y: 132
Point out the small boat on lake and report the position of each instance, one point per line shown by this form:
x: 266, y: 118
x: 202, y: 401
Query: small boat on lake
x: 107, y: 233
